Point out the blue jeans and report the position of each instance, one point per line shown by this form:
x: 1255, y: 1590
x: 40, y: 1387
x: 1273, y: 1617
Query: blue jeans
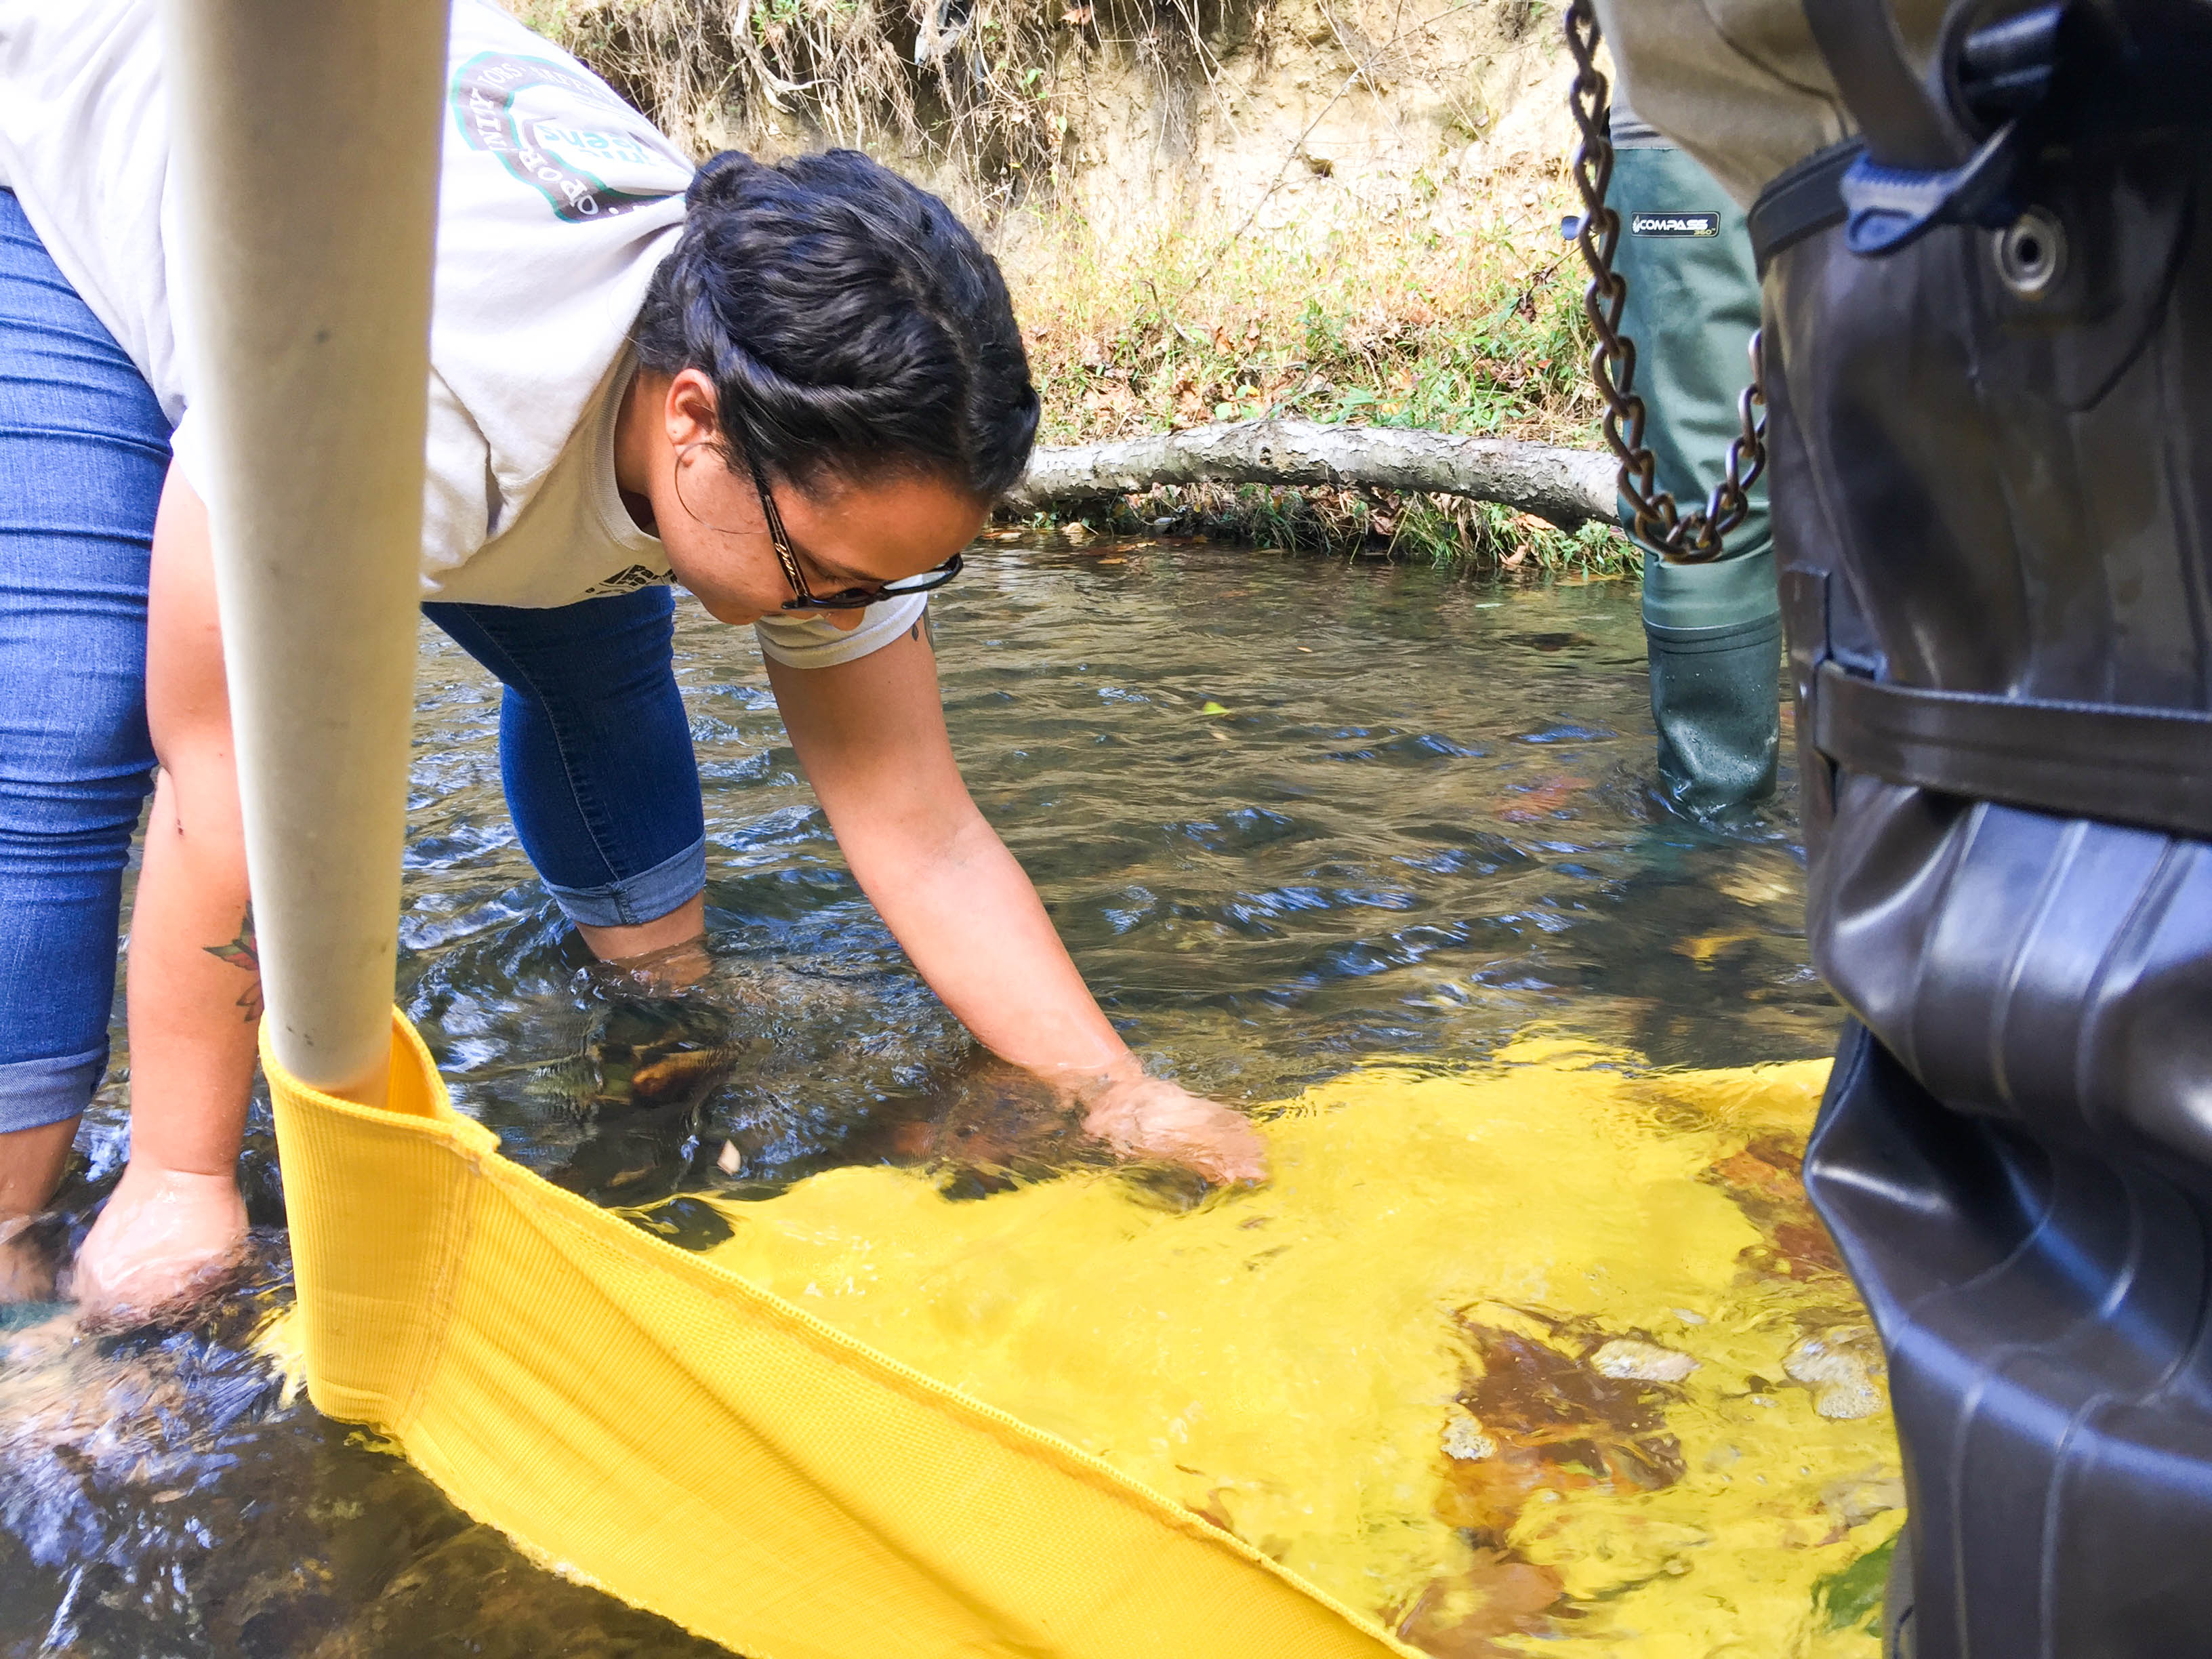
x: 594, y: 748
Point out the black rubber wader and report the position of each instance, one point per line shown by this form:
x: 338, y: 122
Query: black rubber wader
x: 1714, y: 631
x: 2007, y: 496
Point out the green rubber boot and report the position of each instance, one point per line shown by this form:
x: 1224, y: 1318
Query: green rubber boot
x: 1715, y: 630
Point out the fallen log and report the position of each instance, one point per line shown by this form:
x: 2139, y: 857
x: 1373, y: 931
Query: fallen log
x: 1565, y: 486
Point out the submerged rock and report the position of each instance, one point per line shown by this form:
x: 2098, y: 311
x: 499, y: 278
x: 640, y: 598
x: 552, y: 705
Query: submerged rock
x: 1629, y: 1360
x: 1840, y: 1367
x: 1464, y: 1438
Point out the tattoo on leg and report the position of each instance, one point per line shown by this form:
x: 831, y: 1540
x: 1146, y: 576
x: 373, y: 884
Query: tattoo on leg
x: 244, y: 953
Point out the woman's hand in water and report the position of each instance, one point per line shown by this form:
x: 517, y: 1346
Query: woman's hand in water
x: 167, y: 1241
x: 1141, y: 1116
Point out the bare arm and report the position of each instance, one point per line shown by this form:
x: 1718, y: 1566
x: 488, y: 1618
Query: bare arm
x: 195, y: 989
x: 871, y: 735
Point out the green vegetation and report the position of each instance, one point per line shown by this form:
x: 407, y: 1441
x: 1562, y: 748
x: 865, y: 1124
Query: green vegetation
x: 1853, y: 1596
x: 1451, y: 334
x: 1390, y: 328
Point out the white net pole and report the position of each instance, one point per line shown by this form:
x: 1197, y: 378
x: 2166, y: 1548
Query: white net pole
x: 306, y: 141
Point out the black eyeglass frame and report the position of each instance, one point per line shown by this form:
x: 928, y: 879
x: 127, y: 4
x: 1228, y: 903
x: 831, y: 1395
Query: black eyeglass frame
x: 851, y: 598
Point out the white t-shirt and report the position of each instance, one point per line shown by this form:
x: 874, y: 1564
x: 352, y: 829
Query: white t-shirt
x: 557, y: 202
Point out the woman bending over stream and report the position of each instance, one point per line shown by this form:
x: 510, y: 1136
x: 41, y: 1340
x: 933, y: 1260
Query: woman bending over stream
x: 796, y: 390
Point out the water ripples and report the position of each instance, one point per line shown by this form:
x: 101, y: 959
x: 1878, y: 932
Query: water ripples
x: 1288, y: 814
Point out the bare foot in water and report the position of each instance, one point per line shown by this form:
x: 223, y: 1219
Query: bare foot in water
x: 1151, y: 1117
x: 167, y: 1242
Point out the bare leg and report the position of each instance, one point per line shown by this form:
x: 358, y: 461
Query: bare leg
x: 31, y: 1162
x: 681, y: 925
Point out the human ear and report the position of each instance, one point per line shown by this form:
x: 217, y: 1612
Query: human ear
x: 689, y: 410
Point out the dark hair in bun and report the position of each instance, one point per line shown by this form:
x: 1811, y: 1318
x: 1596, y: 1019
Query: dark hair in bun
x: 851, y: 325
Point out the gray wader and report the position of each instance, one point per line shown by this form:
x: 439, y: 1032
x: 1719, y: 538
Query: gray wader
x: 1714, y: 630
x: 1994, y: 528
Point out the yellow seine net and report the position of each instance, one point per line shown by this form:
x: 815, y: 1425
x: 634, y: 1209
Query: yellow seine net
x: 1485, y: 1340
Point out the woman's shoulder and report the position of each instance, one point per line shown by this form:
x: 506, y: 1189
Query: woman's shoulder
x: 543, y: 134
x: 558, y: 202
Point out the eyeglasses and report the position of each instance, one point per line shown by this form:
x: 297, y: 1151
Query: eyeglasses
x: 851, y: 598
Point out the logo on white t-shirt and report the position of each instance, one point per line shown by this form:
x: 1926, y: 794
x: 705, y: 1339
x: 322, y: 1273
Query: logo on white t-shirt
x: 627, y: 582
x: 562, y: 132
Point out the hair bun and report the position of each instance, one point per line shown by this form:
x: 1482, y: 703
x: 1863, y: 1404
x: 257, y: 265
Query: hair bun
x: 852, y: 327
x: 719, y: 179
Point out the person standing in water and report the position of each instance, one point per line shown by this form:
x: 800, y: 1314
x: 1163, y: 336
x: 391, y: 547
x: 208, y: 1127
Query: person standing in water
x: 1988, y: 304
x: 795, y: 389
x: 1713, y: 626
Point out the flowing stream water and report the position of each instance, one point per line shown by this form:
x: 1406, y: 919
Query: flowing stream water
x: 1291, y: 816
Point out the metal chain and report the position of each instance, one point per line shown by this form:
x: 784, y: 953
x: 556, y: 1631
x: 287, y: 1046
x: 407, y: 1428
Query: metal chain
x: 1691, y: 537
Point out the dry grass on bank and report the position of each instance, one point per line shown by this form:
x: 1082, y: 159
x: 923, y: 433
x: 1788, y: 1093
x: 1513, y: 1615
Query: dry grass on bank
x: 1391, y: 327
x: 975, y: 86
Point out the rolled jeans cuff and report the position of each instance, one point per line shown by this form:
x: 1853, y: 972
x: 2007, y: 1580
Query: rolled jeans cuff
x: 646, y: 896
x: 36, y: 1092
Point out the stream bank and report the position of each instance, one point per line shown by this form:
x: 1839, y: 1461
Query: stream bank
x: 1334, y: 211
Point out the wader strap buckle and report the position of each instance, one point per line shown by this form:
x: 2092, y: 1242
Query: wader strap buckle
x: 1803, y: 198
x: 2150, y: 768
x: 1885, y: 209
x: 1921, y: 168
x: 1881, y: 209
